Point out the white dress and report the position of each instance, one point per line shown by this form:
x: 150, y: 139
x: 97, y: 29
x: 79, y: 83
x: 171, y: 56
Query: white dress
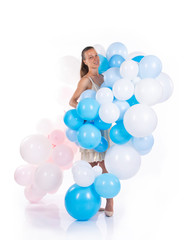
x: 91, y: 155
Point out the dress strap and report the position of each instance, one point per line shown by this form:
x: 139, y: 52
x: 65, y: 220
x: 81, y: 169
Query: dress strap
x: 93, y: 83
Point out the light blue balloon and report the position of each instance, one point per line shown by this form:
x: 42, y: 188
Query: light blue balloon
x: 73, y: 120
x: 89, y: 136
x: 100, y: 124
x: 104, y: 64
x: 123, y: 107
x: 150, y: 67
x: 118, y: 134
x: 143, y: 144
x: 88, y: 108
x: 111, y: 76
x: 116, y: 61
x: 103, y: 145
x: 117, y: 48
x: 107, y: 185
x: 82, y: 203
x: 71, y: 134
x: 104, y: 85
x: 89, y: 93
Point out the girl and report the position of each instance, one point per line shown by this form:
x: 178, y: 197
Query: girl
x: 91, y: 79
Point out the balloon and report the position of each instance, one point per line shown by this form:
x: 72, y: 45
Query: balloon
x: 123, y: 89
x: 48, y: 177
x: 137, y: 58
x: 104, y: 64
x: 89, y: 136
x: 33, y: 194
x: 116, y: 61
x: 24, y: 174
x: 109, y: 112
x: 35, y: 149
x: 167, y: 86
x: 129, y: 69
x: 107, y: 185
x: 132, y: 101
x: 143, y: 145
x: 88, y: 108
x: 89, y: 93
x: 71, y: 135
x: 73, y: 120
x: 100, y: 124
x: 116, y: 48
x: 135, y: 54
x: 111, y: 76
x: 83, y: 176
x: 118, y: 134
x: 103, y: 145
x: 148, y: 91
x: 100, y: 49
x: 123, y: 107
x: 123, y: 161
x: 104, y: 95
x: 56, y: 137
x: 136, y: 80
x: 82, y: 203
x: 79, y: 164
x: 140, y: 120
x: 97, y: 170
x: 62, y: 155
x: 150, y: 67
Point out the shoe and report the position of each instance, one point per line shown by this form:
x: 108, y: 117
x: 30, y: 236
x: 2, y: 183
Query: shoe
x: 109, y: 213
x: 101, y: 209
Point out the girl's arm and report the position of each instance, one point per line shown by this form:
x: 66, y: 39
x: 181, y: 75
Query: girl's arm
x: 81, y: 87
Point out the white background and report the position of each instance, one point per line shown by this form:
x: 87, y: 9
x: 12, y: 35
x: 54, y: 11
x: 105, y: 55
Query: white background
x: 34, y: 36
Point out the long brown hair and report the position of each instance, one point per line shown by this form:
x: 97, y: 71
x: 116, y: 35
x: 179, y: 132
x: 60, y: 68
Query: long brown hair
x: 84, y: 68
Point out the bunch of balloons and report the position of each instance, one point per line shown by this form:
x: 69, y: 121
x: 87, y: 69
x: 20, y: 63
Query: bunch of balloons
x: 46, y: 157
x: 132, y: 85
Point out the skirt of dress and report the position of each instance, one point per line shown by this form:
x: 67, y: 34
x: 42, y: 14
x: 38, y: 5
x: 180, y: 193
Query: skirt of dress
x: 91, y: 155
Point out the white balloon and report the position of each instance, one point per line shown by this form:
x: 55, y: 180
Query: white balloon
x: 109, y: 112
x: 167, y: 86
x: 48, y: 177
x: 35, y: 149
x: 24, y: 174
x: 123, y: 89
x: 129, y: 69
x: 104, y: 95
x: 83, y: 176
x: 80, y: 163
x: 122, y: 161
x: 97, y: 170
x: 140, y: 120
x: 148, y: 91
x: 136, y: 80
x: 100, y: 49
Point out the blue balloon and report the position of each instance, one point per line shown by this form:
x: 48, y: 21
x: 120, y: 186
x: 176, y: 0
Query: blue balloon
x: 150, y: 67
x: 137, y: 58
x: 111, y: 76
x: 88, y: 108
x: 89, y: 136
x: 89, y: 93
x: 116, y: 61
x: 104, y: 64
x: 82, y: 203
x: 73, y: 120
x: 103, y: 145
x: 116, y: 48
x: 143, y: 144
x: 118, y: 134
x: 71, y: 135
x: 132, y: 101
x: 101, y: 125
x: 123, y: 107
x: 107, y: 185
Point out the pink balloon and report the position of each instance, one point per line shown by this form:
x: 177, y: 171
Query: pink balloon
x: 24, y: 174
x: 62, y: 155
x: 48, y: 177
x: 57, y: 137
x: 72, y: 145
x: 33, y: 194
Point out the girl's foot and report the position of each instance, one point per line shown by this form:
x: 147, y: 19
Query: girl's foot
x: 109, y: 208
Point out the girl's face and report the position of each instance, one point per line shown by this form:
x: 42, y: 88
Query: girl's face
x: 92, y: 59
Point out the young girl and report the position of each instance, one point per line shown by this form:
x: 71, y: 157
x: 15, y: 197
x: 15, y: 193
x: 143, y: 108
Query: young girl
x: 91, y: 79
